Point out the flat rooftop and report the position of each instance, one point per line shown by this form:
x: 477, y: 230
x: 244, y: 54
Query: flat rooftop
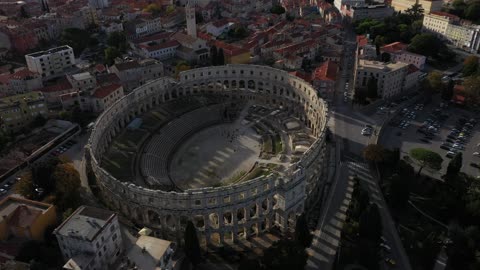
x: 85, y: 223
x: 148, y: 251
x: 11, y: 203
x: 52, y: 50
x: 380, y: 65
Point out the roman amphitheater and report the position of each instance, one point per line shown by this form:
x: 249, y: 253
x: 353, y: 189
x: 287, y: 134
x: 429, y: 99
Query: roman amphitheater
x: 236, y: 149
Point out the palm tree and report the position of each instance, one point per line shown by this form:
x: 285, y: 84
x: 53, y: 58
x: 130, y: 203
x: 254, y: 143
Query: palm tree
x: 416, y: 11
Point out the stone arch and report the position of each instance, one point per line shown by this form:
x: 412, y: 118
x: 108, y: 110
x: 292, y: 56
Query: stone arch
x: 265, y: 205
x: 253, y: 230
x: 291, y: 219
x: 170, y: 222
x: 241, y: 84
x: 213, y: 220
x: 227, y: 218
x: 241, y: 215
x: 154, y: 217
x: 215, y: 239
x: 199, y: 222
x: 251, y: 84
x: 253, y: 210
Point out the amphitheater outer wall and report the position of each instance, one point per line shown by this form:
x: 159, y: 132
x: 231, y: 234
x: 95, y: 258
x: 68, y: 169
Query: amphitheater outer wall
x: 219, y: 213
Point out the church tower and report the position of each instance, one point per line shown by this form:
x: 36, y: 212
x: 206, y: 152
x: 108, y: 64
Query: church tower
x: 191, y: 22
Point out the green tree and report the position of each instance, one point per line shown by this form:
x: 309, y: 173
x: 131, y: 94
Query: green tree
x: 426, y: 158
x: 433, y: 81
x: 221, y: 57
x: 447, y: 91
x: 67, y: 186
x: 415, y: 12
x: 39, y: 121
x: 192, y: 246
x: 302, y: 233
x: 455, y: 165
x: 25, y: 186
x: 110, y: 54
x: 117, y: 40
x: 23, y: 12
x: 370, y: 224
x: 170, y: 9
x: 153, y: 8
x: 470, y: 65
x: 472, y: 12
x: 76, y: 38
x: 386, y: 57
x: 284, y: 255
x: 472, y: 89
x: 428, y: 45
x: 4, y: 140
x: 214, y: 55
x: 372, y: 88
x: 399, y: 191
x: 461, y: 253
x: 277, y: 9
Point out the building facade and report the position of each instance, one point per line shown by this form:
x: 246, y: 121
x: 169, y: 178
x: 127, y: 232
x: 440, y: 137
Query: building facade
x: 90, y: 239
x: 390, y: 77
x: 427, y: 5
x: 25, y: 219
x: 17, y: 112
x: 51, y: 63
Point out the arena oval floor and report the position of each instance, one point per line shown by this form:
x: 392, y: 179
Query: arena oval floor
x: 237, y: 149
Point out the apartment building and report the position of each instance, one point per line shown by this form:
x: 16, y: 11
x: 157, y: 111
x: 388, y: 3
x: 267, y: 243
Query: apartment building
x: 398, y: 52
x: 390, y: 76
x: 20, y: 81
x: 90, y: 239
x: 19, y: 111
x: 449, y: 27
x: 135, y: 73
x: 427, y: 5
x: 51, y: 63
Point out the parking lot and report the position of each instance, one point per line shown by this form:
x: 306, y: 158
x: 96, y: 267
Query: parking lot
x: 6, y: 187
x: 439, y: 127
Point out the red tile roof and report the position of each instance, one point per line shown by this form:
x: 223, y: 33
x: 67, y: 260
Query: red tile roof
x: 362, y: 40
x: 22, y: 74
x: 444, y: 14
x: 306, y: 77
x: 106, y: 90
x: 229, y: 49
x: 62, y: 85
x: 395, y: 47
x: 326, y: 72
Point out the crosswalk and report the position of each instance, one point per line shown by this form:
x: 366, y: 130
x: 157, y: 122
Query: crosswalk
x: 327, y: 236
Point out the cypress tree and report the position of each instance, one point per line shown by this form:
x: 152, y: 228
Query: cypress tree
x: 302, y: 233
x: 192, y: 246
x: 221, y: 58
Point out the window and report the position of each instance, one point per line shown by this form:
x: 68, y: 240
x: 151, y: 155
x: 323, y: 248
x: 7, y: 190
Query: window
x: 114, y: 237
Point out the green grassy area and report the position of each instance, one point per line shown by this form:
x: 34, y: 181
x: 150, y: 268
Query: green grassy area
x: 118, y: 163
x: 267, y: 144
x: 278, y: 144
x: 234, y: 179
x: 257, y: 172
x: 129, y: 139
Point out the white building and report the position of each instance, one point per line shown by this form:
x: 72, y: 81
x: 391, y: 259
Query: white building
x: 427, y: 5
x: 390, y: 76
x: 98, y: 3
x: 353, y: 3
x: 160, y: 51
x: 398, y: 52
x: 219, y: 27
x: 449, y: 27
x: 51, y: 63
x: 90, y: 239
x: 135, y: 73
x: 82, y: 81
x: 152, y: 253
x: 377, y: 12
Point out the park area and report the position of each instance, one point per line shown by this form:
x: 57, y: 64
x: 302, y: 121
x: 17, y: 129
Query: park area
x: 433, y: 215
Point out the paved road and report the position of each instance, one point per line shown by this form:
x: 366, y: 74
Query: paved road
x: 346, y: 125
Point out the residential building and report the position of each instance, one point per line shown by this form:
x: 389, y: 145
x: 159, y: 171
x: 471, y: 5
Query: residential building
x: 99, y: 98
x: 324, y: 77
x: 135, y: 73
x: 234, y: 54
x: 19, y: 111
x: 152, y: 253
x: 390, y: 76
x: 18, y: 38
x: 143, y: 26
x: 25, y: 219
x: 82, y: 81
x: 217, y: 28
x: 51, y: 63
x: 460, y: 34
x: 427, y: 5
x: 398, y: 53
x: 19, y: 82
x: 111, y: 26
x: 340, y: 3
x: 53, y: 92
x: 90, y: 239
x: 377, y: 12
x: 437, y: 22
x: 160, y: 51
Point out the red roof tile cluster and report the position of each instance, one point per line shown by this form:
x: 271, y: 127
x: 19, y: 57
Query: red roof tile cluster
x: 326, y: 72
x: 395, y: 47
x: 62, y: 85
x: 106, y: 90
x: 229, y: 49
x: 362, y: 40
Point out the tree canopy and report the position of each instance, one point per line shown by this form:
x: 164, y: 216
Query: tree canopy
x: 426, y: 158
x: 470, y: 65
x: 455, y: 165
x: 430, y: 46
x: 302, y: 233
x: 472, y: 89
x: 76, y: 38
x: 118, y: 40
x: 277, y: 9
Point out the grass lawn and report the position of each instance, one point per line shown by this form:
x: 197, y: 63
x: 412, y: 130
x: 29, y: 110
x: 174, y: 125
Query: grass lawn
x: 129, y: 139
x: 118, y: 163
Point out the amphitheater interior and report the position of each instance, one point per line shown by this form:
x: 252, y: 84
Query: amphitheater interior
x: 237, y: 149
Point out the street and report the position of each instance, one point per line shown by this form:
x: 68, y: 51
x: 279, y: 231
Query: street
x: 346, y: 125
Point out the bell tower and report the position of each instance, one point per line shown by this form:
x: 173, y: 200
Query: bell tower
x: 191, y: 22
